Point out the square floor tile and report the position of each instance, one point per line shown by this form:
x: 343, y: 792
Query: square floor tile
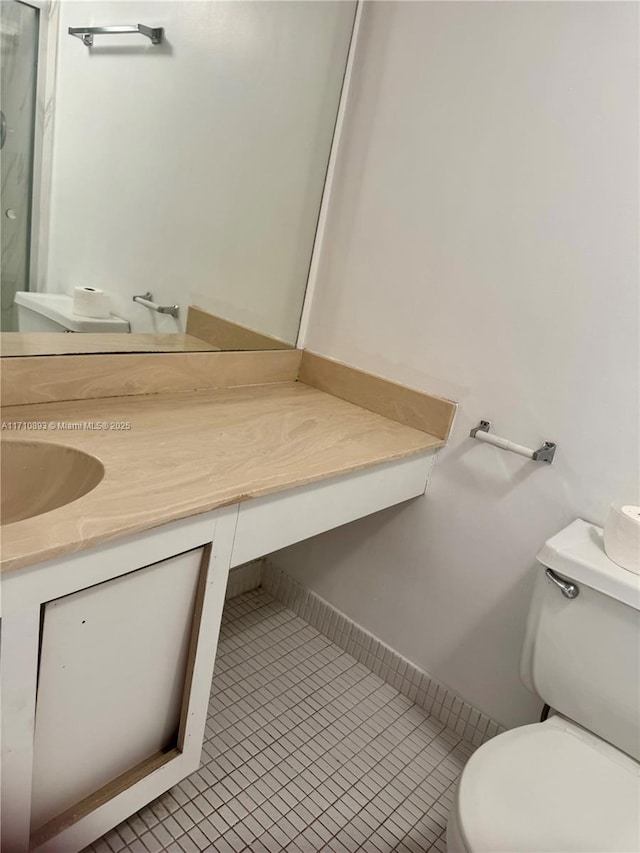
x: 305, y: 750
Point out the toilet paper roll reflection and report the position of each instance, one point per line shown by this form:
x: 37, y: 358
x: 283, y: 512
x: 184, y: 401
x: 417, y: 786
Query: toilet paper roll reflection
x: 91, y: 302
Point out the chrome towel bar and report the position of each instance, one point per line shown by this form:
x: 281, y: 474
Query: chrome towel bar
x: 146, y: 299
x: 156, y: 34
x: 545, y: 453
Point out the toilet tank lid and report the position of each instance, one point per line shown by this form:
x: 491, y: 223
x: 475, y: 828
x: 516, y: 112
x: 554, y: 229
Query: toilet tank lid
x: 59, y: 308
x: 577, y: 553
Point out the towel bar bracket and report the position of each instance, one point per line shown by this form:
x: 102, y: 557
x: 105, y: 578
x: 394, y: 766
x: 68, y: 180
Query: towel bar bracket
x: 155, y: 34
x: 545, y: 453
x: 483, y: 426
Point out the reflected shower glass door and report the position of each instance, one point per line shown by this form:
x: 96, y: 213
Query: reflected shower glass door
x: 18, y: 67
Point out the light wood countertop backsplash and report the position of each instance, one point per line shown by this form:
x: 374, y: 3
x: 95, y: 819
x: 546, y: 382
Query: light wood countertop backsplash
x: 47, y: 379
x: 27, y: 344
x: 399, y: 402
x: 206, y: 430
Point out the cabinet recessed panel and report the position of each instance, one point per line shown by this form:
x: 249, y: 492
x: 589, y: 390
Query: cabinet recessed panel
x: 111, y: 680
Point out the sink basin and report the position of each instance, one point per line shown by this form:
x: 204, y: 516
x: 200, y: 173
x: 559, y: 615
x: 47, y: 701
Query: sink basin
x: 36, y: 477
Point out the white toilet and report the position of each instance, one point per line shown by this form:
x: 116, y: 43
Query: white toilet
x: 53, y: 312
x: 570, y: 784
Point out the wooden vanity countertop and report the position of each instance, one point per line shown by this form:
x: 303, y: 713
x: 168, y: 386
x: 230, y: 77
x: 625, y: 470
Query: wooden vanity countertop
x: 25, y: 344
x: 190, y: 452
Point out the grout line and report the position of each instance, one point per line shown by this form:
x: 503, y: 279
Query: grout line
x: 371, y: 769
x: 397, y: 671
x: 325, y: 756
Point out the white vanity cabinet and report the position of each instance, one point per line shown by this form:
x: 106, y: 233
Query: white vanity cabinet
x: 272, y: 522
x: 106, y: 661
x: 107, y: 655
x: 111, y: 677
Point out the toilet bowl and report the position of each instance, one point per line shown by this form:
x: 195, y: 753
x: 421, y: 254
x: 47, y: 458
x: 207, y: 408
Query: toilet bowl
x: 549, y: 787
x: 570, y: 784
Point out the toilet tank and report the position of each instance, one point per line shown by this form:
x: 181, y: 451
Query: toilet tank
x: 53, y: 312
x: 582, y: 655
x: 34, y: 321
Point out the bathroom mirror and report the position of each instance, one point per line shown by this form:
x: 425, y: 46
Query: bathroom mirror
x: 187, y: 170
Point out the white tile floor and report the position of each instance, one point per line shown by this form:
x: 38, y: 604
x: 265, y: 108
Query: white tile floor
x: 305, y: 750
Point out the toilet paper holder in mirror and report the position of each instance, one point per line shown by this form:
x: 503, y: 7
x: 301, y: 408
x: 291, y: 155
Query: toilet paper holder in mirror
x: 545, y: 453
x: 146, y: 299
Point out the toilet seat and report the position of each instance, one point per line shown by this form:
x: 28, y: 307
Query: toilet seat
x: 549, y: 787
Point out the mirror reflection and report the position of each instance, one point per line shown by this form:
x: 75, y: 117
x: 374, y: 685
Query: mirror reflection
x: 163, y: 169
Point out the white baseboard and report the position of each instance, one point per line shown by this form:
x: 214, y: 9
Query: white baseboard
x: 435, y: 698
x: 244, y: 578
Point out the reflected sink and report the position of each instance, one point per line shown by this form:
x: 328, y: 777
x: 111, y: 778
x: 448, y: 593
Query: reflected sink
x: 36, y: 477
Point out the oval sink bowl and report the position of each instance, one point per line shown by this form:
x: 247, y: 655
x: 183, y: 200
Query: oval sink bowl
x: 36, y: 477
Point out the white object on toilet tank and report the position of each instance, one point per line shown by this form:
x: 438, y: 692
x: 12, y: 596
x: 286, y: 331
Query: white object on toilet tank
x: 582, y: 655
x: 622, y: 536
x: 91, y: 302
x: 53, y: 312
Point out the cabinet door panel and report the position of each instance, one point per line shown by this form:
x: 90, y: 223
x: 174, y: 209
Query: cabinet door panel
x: 111, y: 680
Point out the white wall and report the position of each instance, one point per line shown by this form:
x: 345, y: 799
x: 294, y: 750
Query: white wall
x: 194, y: 169
x: 482, y: 245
